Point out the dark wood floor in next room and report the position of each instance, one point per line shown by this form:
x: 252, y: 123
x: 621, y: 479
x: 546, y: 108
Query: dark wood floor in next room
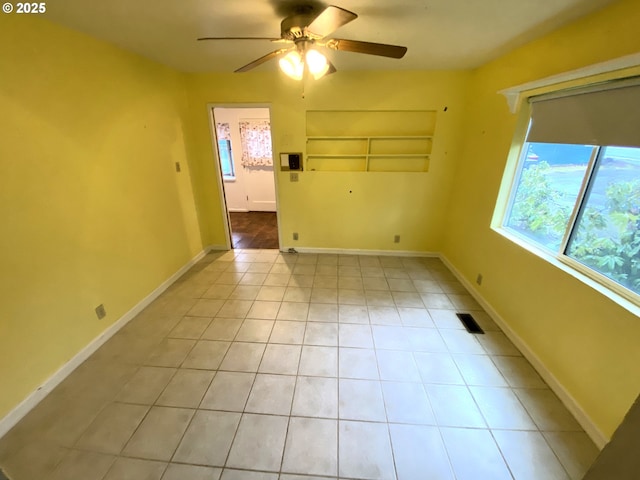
x: 254, y: 229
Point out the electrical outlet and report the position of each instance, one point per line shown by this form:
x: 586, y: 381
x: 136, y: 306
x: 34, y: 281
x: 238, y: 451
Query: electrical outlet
x: 178, y: 167
x: 101, y: 312
x: 479, y: 279
x: 295, y: 235
x: 396, y: 239
x: 293, y: 176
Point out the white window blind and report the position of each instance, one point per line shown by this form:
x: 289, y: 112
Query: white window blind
x: 607, y: 114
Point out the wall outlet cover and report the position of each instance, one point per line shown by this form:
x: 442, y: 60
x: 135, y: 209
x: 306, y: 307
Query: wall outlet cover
x: 101, y: 312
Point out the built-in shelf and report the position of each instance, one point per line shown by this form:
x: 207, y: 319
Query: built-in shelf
x: 385, y: 153
x: 369, y: 141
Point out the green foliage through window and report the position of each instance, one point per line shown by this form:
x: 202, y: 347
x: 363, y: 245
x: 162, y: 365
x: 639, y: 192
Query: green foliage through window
x: 537, y: 210
x: 607, y: 238
x: 606, y: 234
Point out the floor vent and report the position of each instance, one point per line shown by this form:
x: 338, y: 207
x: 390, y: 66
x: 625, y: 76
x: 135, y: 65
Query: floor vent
x: 469, y: 323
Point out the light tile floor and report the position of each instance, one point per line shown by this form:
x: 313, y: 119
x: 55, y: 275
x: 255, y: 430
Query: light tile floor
x: 262, y: 365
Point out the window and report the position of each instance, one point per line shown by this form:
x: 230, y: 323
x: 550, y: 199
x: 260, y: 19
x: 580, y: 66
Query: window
x: 226, y: 160
x: 224, y: 150
x: 547, y: 189
x: 576, y: 191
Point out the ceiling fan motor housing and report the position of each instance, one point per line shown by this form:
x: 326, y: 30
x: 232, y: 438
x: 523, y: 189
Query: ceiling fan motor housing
x: 295, y: 27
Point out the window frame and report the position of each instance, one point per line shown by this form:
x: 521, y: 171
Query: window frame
x: 559, y: 258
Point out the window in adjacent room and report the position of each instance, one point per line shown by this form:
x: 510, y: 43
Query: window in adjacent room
x: 576, y: 192
x: 224, y: 149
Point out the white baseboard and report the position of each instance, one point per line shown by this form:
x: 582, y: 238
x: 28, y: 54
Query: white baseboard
x: 216, y: 248
x: 24, y: 407
x: 598, y: 437
x: 356, y: 251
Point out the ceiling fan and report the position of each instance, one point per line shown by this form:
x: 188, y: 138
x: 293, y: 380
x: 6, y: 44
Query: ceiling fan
x: 307, y: 30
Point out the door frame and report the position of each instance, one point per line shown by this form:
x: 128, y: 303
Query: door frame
x: 216, y: 156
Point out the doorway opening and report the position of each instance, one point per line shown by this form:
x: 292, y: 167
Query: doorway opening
x: 244, y: 151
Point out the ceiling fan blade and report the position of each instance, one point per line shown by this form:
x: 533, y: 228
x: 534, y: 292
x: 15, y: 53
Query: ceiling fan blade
x: 261, y: 60
x: 240, y: 38
x: 381, y: 49
x: 329, y: 20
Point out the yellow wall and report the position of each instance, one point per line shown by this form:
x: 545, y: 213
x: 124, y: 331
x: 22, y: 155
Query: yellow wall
x: 587, y: 341
x: 92, y: 209
x: 349, y: 210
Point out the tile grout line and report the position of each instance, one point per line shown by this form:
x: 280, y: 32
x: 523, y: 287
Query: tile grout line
x: 113, y: 400
x: 384, y: 403
x: 293, y: 396
x: 243, y: 413
x: 338, y: 421
x: 195, y: 411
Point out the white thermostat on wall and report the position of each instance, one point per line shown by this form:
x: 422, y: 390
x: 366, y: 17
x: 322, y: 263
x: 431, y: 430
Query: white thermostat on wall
x: 290, y: 161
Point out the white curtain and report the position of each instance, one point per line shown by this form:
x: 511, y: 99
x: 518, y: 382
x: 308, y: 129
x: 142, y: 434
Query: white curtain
x: 223, y: 131
x: 256, y: 143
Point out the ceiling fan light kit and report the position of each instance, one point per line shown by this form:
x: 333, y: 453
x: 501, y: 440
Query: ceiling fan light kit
x: 316, y: 63
x: 306, y: 31
x: 293, y: 64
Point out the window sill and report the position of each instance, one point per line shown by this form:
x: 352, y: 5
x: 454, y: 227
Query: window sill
x: 567, y: 266
x: 229, y: 179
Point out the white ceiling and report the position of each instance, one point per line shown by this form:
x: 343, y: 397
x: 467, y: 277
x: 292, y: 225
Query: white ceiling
x: 440, y: 34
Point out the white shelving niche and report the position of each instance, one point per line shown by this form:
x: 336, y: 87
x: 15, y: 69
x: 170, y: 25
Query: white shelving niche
x: 370, y: 141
